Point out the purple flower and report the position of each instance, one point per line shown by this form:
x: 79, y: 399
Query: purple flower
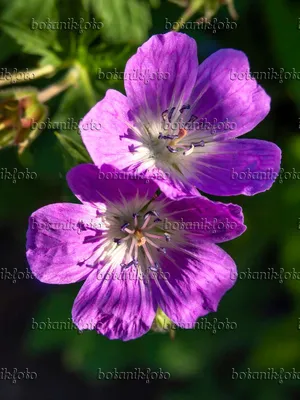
x: 136, y: 250
x: 183, y: 119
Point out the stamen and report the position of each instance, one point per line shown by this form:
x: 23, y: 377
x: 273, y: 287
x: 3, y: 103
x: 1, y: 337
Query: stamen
x: 154, y: 223
x: 165, y: 115
x: 130, y: 231
x: 151, y: 235
x: 132, y: 262
x: 171, y: 150
x: 154, y: 268
x: 171, y: 113
x: 152, y: 243
x: 135, y: 262
x: 124, y: 226
x: 136, y: 251
x: 148, y: 255
x: 146, y: 222
x: 118, y: 241
x: 190, y: 121
x: 167, y: 237
x: 147, y: 215
x: 162, y: 250
x: 153, y: 212
x: 124, y: 266
x: 189, y: 151
x: 135, y: 216
x: 184, y: 107
x: 199, y: 144
x: 167, y: 137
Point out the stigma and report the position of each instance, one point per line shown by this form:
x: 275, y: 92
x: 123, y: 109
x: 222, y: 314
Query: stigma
x: 144, y: 234
x: 178, y: 143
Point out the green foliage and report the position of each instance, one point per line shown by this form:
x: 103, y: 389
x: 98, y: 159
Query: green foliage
x: 74, y: 153
x: 125, y: 21
x: 266, y: 312
x: 31, y: 42
x: 283, y: 41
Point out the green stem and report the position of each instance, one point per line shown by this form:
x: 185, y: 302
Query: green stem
x: 28, y: 75
x: 53, y: 90
x: 189, y: 12
x: 87, y: 86
x: 154, y: 197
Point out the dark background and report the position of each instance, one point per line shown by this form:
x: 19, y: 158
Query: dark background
x: 265, y: 311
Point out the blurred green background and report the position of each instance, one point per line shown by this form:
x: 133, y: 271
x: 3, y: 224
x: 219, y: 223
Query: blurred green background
x: 266, y: 311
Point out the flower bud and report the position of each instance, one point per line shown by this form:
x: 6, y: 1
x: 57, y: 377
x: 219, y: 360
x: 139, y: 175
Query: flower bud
x: 208, y: 7
x: 20, y: 115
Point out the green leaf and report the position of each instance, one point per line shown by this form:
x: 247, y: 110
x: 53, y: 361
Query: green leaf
x: 154, y: 3
x: 8, y: 47
x: 22, y: 11
x: 124, y: 20
x: 50, y: 58
x: 75, y: 103
x: 32, y: 42
x: 75, y: 153
x: 287, y: 59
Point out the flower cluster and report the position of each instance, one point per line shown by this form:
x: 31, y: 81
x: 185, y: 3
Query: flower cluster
x: 132, y: 237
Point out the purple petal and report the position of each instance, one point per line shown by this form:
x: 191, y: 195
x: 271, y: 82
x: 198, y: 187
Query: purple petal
x: 237, y: 166
x: 196, y: 282
x: 174, y: 188
x: 57, y: 243
x: 205, y: 220
x: 175, y: 56
x: 222, y: 93
x: 105, y: 131
x: 91, y: 184
x: 117, y: 308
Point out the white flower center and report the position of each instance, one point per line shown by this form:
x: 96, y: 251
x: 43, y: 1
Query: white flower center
x: 135, y: 237
x: 167, y: 143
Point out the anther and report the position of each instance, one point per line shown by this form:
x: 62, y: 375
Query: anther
x: 148, y: 213
x: 118, y: 241
x: 124, y: 226
x: 165, y: 115
x: 167, y: 137
x: 199, y: 144
x: 154, y: 267
x: 162, y: 250
x: 171, y: 113
x: 190, y: 121
x: 184, y: 107
x: 167, y: 237
x: 126, y: 266
x: 135, y: 262
x: 189, y: 151
x: 157, y: 220
x: 171, y: 150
